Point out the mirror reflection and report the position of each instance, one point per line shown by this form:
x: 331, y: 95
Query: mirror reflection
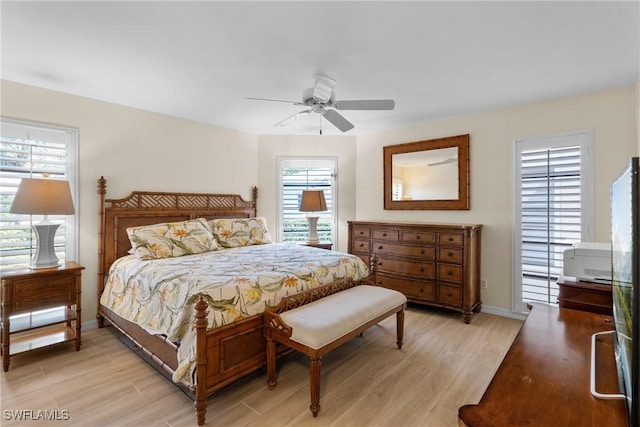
x: 425, y: 175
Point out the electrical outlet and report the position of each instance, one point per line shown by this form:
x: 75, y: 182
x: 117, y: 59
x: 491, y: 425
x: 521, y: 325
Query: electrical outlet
x: 483, y: 283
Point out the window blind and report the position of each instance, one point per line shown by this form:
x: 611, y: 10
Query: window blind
x: 550, y: 217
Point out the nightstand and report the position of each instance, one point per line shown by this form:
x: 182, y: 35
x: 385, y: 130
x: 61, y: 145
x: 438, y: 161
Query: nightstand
x: 321, y: 245
x: 25, y: 294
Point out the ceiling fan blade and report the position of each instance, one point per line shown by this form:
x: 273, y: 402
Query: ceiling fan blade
x: 444, y: 162
x: 276, y: 100
x: 293, y: 118
x: 337, y: 120
x: 323, y: 88
x: 372, y: 104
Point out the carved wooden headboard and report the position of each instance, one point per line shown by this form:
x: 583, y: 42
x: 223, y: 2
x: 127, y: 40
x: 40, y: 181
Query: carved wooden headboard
x: 146, y: 207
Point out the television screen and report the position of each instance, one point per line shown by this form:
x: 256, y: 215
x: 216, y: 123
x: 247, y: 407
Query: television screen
x: 625, y: 245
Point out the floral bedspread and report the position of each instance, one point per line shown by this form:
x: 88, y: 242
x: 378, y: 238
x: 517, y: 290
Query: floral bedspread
x: 160, y: 294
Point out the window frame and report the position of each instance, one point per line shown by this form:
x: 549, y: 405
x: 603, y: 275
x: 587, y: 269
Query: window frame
x: 583, y: 139
x: 26, y: 129
x: 309, y: 162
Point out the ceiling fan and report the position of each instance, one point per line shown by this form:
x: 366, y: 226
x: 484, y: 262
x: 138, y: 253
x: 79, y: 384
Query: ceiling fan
x: 321, y: 99
x: 444, y: 162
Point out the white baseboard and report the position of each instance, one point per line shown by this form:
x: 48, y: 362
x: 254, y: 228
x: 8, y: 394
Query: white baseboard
x: 91, y: 324
x: 498, y: 311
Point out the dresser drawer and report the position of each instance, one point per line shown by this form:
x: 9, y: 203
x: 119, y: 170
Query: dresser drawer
x: 391, y: 235
x: 360, y: 246
x: 426, y: 253
x: 450, y: 295
x: 450, y: 273
x: 450, y: 255
x: 42, y: 293
x: 424, y: 270
x: 411, y: 289
x: 418, y: 236
x: 450, y: 239
x: 361, y: 232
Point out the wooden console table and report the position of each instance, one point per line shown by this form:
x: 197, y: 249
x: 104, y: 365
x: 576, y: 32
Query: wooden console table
x: 544, y: 378
x: 586, y: 296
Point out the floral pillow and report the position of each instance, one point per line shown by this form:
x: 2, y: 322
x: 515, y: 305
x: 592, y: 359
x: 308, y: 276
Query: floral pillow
x: 234, y: 232
x: 172, y: 239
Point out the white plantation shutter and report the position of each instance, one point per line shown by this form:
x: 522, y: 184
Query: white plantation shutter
x: 296, y: 175
x: 554, y: 210
x: 29, y: 150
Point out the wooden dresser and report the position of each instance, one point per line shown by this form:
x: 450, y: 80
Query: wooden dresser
x: 434, y: 264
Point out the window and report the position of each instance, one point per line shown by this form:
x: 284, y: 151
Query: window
x: 31, y: 150
x: 553, y: 209
x: 295, y: 175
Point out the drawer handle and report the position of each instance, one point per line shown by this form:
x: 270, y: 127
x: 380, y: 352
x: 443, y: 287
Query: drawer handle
x: 384, y: 234
x: 418, y: 237
x: 421, y: 269
x: 421, y: 289
x: 450, y: 254
x: 380, y: 248
x: 361, y: 245
x: 451, y: 239
x: 449, y: 293
x: 421, y: 251
x: 449, y: 273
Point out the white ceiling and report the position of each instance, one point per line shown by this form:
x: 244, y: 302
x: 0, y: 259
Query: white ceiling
x: 200, y: 60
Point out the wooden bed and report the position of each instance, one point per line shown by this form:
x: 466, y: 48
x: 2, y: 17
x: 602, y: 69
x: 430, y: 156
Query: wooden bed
x: 223, y: 354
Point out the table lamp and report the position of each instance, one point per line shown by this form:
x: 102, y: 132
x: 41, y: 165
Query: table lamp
x: 43, y: 197
x: 313, y: 201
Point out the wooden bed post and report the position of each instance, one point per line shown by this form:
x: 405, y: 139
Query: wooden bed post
x: 254, y: 196
x: 102, y: 190
x: 201, y: 360
x: 373, y: 269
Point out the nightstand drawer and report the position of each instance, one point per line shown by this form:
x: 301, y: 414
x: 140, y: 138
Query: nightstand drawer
x: 44, y: 292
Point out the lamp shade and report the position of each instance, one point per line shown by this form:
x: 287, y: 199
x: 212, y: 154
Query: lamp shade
x: 43, y: 197
x: 312, y: 201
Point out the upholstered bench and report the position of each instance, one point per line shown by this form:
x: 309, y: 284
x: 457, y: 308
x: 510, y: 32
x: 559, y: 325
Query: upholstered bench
x: 318, y: 325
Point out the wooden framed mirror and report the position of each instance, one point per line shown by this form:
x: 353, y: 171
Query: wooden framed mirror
x: 428, y: 175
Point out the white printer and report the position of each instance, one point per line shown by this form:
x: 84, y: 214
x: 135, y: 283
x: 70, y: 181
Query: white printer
x: 588, y: 262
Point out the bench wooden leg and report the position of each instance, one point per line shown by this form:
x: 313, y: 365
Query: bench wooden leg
x: 314, y: 384
x: 271, y: 364
x: 400, y: 328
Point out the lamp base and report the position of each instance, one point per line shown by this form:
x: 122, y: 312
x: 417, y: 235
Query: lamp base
x: 45, y: 256
x: 313, y: 230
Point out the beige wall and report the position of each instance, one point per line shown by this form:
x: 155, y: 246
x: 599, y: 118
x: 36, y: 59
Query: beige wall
x: 342, y: 147
x: 135, y: 150
x: 611, y: 115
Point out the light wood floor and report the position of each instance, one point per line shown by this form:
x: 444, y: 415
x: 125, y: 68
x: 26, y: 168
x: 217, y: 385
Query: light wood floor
x: 443, y: 364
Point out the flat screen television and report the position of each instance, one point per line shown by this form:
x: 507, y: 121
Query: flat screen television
x: 625, y: 246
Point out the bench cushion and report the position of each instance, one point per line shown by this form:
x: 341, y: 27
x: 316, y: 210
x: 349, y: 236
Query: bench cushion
x: 325, y: 320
